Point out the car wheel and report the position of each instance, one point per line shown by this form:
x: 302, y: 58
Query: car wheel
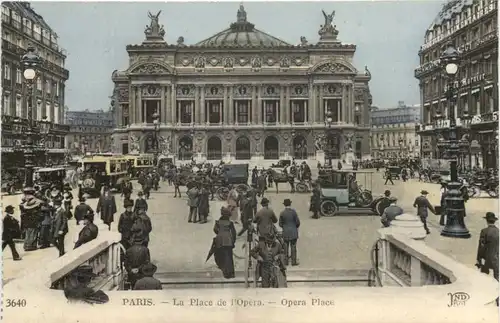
x: 328, y: 208
x: 47, y: 193
x: 301, y: 188
x: 365, y: 199
x: 88, y: 183
x: 493, y: 192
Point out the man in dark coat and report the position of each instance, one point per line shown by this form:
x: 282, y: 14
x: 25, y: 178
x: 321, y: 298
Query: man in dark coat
x: 125, y: 223
x: 127, y: 189
x: 204, y: 204
x: 388, y: 177
x: 487, y: 249
x: 142, y: 226
x: 89, y: 231
x: 77, y: 289
x: 140, y: 203
x: 261, y: 184
x: 135, y: 257
x: 106, y: 206
x: 193, y: 199
x: 60, y: 225
x: 315, y: 203
x: 82, y: 209
x: 422, y: 204
x: 390, y: 212
x: 11, y: 231
x: 148, y: 282
x: 224, y: 243
x: 265, y: 219
x: 289, y: 221
x: 147, y: 186
x: 267, y: 253
x: 45, y: 237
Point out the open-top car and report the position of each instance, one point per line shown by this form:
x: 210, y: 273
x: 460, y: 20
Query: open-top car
x: 46, y: 178
x: 341, y: 193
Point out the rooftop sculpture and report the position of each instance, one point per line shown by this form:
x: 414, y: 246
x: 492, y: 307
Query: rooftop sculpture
x: 154, y: 32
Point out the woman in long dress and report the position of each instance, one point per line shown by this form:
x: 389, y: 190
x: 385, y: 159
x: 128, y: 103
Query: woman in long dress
x: 224, y: 243
x: 232, y: 203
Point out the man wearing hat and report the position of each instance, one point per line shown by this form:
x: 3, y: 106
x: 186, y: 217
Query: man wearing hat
x: 265, y: 219
x: 127, y: 189
x: 77, y: 287
x: 315, y: 202
x: 60, y: 225
x: 422, y: 204
x: 289, y: 221
x: 267, y: 253
x: 135, y: 257
x: 488, y: 246
x: 30, y: 219
x: 142, y: 226
x: 390, y: 212
x: 148, y: 282
x: 126, y: 222
x: 82, y: 209
x: 140, y: 203
x: 106, y: 206
x: 11, y: 231
x: 89, y: 231
x: 45, y: 238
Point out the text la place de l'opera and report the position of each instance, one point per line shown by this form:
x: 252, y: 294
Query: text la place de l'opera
x: 242, y: 94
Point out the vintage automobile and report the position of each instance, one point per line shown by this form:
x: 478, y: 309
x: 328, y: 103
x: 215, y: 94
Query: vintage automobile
x: 138, y: 163
x: 12, y: 180
x: 99, y: 171
x: 233, y: 174
x: 282, y: 163
x: 46, y: 178
x: 340, y: 193
x: 395, y: 172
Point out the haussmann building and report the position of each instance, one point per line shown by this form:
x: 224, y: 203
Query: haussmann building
x: 242, y: 94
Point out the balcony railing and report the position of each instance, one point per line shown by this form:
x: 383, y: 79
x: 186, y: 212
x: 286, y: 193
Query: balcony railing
x: 426, y: 67
x: 214, y: 155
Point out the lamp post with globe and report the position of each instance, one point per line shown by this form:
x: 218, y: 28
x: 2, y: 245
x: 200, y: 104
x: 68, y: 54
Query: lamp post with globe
x: 30, y: 61
x: 328, y: 124
x: 156, y: 122
x: 455, y: 206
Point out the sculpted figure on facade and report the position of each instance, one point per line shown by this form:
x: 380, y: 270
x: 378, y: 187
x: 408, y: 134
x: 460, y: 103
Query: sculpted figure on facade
x: 228, y: 62
x: 199, y: 62
x: 348, y: 138
x: 303, y: 41
x: 134, y: 144
x: 285, y: 62
x: 180, y: 42
x: 256, y: 62
x: 319, y: 140
x: 123, y: 94
x: 154, y: 29
x: 328, y: 30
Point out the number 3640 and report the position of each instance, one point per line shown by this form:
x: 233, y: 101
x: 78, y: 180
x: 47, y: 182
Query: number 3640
x: 15, y: 302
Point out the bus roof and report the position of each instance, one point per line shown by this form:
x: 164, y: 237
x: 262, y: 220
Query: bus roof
x: 49, y: 169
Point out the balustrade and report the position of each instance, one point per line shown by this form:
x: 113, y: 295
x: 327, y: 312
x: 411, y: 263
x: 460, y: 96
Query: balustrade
x: 400, y: 264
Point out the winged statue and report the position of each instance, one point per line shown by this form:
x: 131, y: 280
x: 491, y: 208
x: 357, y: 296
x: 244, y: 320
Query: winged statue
x: 328, y: 18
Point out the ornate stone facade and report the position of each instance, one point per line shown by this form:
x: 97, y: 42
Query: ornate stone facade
x: 242, y: 94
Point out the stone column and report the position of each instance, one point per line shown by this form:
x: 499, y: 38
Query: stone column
x: 288, y: 105
x: 168, y: 104
x: 312, y: 104
x: 131, y: 104
x: 339, y: 109
x: 259, y: 105
x: 196, y: 112
x: 306, y: 111
x: 321, y: 104
x: 173, y: 104
x: 345, y: 116
x: 230, y: 110
x: 222, y: 111
x: 282, y: 115
x: 236, y: 111
x: 138, y: 105
x: 255, y: 111
x: 202, y: 106
x: 163, y: 108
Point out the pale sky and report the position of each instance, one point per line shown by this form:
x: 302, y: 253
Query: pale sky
x: 387, y: 34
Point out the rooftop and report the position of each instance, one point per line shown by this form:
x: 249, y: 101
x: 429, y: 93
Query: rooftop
x: 25, y: 10
x: 242, y: 34
x: 449, y: 9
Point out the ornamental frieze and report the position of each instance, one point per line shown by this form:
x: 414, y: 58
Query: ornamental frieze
x: 199, y: 61
x: 150, y: 68
x: 228, y: 62
x: 243, y: 61
x: 185, y: 61
x: 299, y: 61
x: 214, y: 91
x: 214, y: 61
x: 185, y: 91
x: 242, y: 91
x: 256, y: 62
x: 271, y: 61
x: 285, y: 62
x: 151, y: 91
x: 123, y: 94
x: 270, y: 90
x: 301, y: 90
x: 332, y: 89
x: 333, y: 68
x: 359, y: 95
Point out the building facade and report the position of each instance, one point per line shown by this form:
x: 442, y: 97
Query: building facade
x: 21, y: 27
x: 394, y: 132
x: 242, y: 94
x: 89, y: 131
x: 471, y: 25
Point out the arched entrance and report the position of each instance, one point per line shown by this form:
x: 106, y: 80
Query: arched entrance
x: 299, y: 147
x: 242, y: 148
x: 271, y: 148
x: 185, y: 151
x: 214, y: 148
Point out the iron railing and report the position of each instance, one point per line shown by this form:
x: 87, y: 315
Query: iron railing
x: 214, y: 155
x: 243, y: 154
x: 271, y: 154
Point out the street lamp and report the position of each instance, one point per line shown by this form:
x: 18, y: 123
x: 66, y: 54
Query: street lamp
x: 192, y: 142
x: 44, y: 132
x: 156, y: 122
x: 328, y: 124
x: 401, y: 142
x: 30, y: 61
x: 455, y: 207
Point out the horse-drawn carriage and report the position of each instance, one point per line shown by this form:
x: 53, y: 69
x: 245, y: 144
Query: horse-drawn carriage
x: 341, y: 193
x: 231, y: 175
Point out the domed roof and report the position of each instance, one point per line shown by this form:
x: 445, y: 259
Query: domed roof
x: 449, y: 9
x: 242, y: 34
